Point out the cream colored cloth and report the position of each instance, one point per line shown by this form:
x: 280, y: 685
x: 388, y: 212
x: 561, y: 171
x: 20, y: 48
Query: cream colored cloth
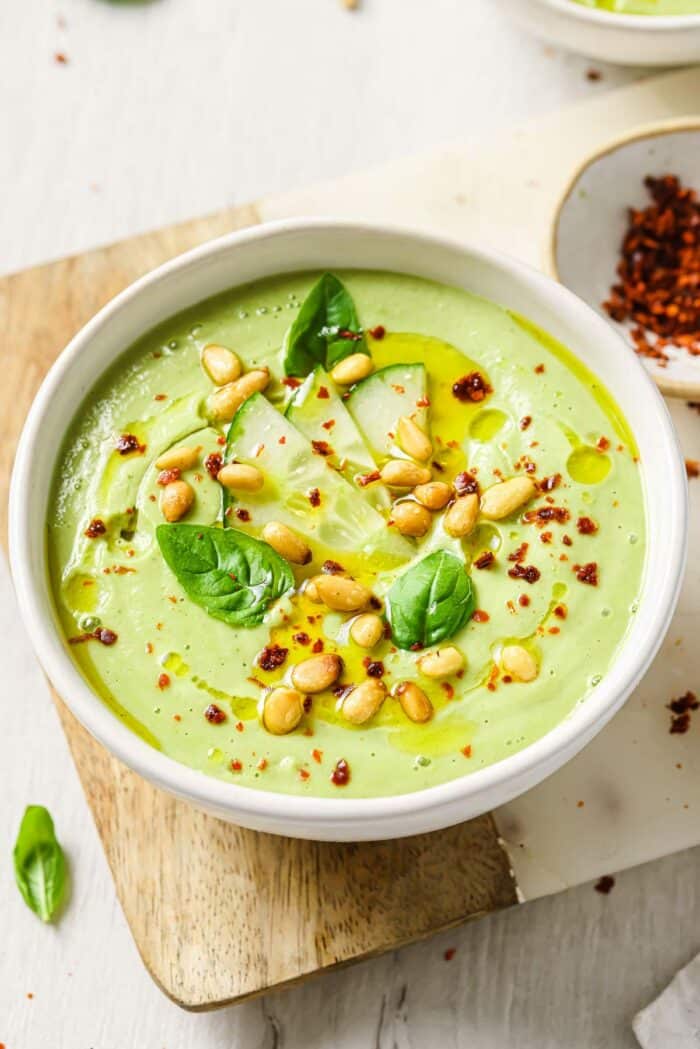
x: 672, y: 1021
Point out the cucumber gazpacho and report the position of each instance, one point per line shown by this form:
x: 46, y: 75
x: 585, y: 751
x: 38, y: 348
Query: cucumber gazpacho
x: 358, y: 554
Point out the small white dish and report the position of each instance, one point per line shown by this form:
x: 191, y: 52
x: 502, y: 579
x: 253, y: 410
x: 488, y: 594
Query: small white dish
x: 591, y: 218
x: 633, y: 40
x: 324, y: 244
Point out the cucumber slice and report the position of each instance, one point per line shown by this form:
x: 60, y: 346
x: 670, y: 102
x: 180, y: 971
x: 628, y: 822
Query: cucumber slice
x: 317, y: 402
x: 377, y: 403
x: 263, y: 437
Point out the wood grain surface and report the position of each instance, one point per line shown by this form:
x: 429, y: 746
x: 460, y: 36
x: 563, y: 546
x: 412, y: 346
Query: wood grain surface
x: 219, y: 913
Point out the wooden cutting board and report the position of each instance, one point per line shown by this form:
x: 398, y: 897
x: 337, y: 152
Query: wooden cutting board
x: 219, y: 913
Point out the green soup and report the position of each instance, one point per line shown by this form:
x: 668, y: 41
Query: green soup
x: 556, y: 579
x: 645, y: 7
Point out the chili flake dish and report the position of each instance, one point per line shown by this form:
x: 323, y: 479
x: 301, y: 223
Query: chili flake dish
x: 352, y: 534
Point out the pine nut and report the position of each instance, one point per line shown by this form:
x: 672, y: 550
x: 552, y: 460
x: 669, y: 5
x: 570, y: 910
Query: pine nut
x: 363, y: 702
x: 501, y: 500
x: 414, y: 702
x: 461, y: 516
x: 317, y: 673
x: 442, y: 662
x: 221, y: 364
x: 353, y: 368
x: 286, y: 542
x: 240, y: 477
x: 367, y: 630
x: 181, y: 458
x: 311, y: 591
x: 225, y: 402
x: 411, y: 518
x: 414, y: 441
x: 434, y: 494
x: 341, y: 593
x: 400, y: 473
x: 282, y: 711
x: 519, y: 663
x: 176, y: 500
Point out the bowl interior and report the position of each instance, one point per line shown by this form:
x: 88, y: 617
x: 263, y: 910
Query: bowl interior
x: 591, y: 221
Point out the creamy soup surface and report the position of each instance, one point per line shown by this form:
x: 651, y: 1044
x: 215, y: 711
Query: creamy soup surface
x: 645, y: 7
x: 346, y: 535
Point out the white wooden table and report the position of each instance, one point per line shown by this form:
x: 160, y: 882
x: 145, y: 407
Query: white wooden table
x: 177, y: 107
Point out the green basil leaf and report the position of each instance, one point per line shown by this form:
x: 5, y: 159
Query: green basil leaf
x: 314, y: 336
x: 430, y: 602
x: 232, y: 576
x: 40, y: 866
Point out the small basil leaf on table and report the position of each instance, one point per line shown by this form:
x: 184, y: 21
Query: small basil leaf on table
x: 430, y: 602
x: 40, y: 866
x: 231, y: 575
x: 314, y: 337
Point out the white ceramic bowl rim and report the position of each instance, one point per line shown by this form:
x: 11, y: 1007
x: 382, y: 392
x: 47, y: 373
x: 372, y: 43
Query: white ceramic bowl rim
x: 208, y: 792
x: 647, y: 23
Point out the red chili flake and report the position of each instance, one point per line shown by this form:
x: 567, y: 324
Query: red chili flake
x: 60, y: 58
x: 525, y: 422
x: 544, y: 514
x: 374, y: 668
x: 416, y: 647
x: 317, y: 755
x: 149, y: 648
x: 331, y: 567
x: 567, y: 540
x: 271, y: 657
x: 262, y: 764
x: 291, y: 382
x: 539, y: 369
x: 399, y: 389
x: 472, y: 387
x: 128, y: 443
x: 340, y: 775
x: 168, y: 476
x: 587, y: 573
x: 163, y: 681
x: 479, y: 616
x: 322, y: 448
x: 317, y: 646
x: 527, y: 572
x: 586, y: 526
x: 378, y: 331
x: 282, y: 440
x: 550, y: 483
x: 523, y: 600
x: 546, y: 537
x: 96, y: 528
x: 302, y: 638
x: 160, y: 397
x: 328, y: 424
x: 604, y: 884
x: 314, y: 497
x: 466, y: 484
x: 242, y: 514
x: 485, y: 560
x: 681, y: 709
x: 323, y: 393
x: 236, y: 765
x: 423, y: 402
x: 213, y: 464
x: 448, y: 689
x: 353, y: 336
x: 692, y: 468
x: 554, y: 630
x: 467, y: 751
x: 364, y: 479
x: 239, y: 726
x: 304, y: 774
x: 449, y: 954
x: 561, y: 611
x: 214, y: 715
x: 518, y: 556
x: 221, y: 439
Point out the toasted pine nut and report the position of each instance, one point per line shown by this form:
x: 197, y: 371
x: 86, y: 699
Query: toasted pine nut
x: 502, y: 499
x: 414, y: 441
x: 221, y: 364
x: 240, y: 477
x: 225, y: 402
x: 442, y: 662
x: 182, y: 458
x: 366, y: 630
x: 519, y: 663
x: 400, y: 473
x: 461, y: 516
x: 311, y: 591
x: 353, y: 368
x: 411, y: 518
x: 434, y: 494
x: 317, y: 673
x: 282, y: 711
x: 176, y: 500
x: 286, y: 542
x: 364, y: 701
x: 414, y: 702
x: 341, y: 593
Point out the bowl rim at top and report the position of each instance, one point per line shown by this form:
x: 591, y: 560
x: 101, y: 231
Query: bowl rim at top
x: 215, y: 794
x: 608, y: 19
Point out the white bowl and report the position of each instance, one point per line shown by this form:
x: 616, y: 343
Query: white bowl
x: 312, y: 245
x: 631, y: 40
x: 591, y: 218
